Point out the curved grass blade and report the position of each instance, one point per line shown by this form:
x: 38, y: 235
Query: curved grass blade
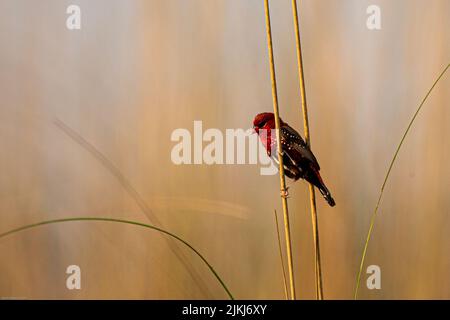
x: 47, y: 222
x: 374, y: 214
x: 128, y: 187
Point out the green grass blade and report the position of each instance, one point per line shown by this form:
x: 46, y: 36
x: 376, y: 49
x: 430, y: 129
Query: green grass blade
x: 374, y: 214
x: 47, y: 222
x: 134, y: 194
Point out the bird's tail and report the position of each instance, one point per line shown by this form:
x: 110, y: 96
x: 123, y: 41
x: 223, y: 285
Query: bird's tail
x: 318, y: 182
x: 327, y: 195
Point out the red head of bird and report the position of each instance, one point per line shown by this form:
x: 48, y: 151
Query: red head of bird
x: 264, y: 120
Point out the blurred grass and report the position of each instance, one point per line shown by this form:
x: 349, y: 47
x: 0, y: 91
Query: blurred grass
x: 134, y: 194
x: 47, y: 222
x: 394, y: 158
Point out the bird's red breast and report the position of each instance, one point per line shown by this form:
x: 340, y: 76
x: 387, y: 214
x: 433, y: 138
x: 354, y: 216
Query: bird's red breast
x: 264, y: 124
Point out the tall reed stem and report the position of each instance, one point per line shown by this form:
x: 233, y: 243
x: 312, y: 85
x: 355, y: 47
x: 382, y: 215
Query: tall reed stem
x: 280, y: 156
x: 312, y: 195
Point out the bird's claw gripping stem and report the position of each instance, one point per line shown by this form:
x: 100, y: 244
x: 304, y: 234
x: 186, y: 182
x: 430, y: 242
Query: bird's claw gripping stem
x: 285, y: 192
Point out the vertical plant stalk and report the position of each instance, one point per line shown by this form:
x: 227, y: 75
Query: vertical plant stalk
x: 286, y: 294
x: 374, y: 214
x: 287, y: 231
x: 312, y: 195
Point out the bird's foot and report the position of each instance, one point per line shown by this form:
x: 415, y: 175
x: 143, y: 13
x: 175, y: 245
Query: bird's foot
x: 285, y: 193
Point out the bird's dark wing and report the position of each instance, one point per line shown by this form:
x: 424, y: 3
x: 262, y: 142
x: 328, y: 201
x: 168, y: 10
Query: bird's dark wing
x: 295, y: 147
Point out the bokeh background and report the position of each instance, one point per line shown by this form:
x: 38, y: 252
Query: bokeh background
x: 139, y: 69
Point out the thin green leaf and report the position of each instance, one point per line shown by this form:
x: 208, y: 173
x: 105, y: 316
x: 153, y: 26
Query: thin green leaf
x: 374, y: 214
x: 47, y: 222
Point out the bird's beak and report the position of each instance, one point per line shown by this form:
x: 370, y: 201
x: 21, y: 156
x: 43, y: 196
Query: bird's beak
x: 254, y: 130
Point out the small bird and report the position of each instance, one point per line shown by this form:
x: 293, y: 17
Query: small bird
x: 298, y: 159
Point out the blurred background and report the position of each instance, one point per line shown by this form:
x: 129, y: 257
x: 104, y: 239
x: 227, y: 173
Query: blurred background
x: 139, y: 69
